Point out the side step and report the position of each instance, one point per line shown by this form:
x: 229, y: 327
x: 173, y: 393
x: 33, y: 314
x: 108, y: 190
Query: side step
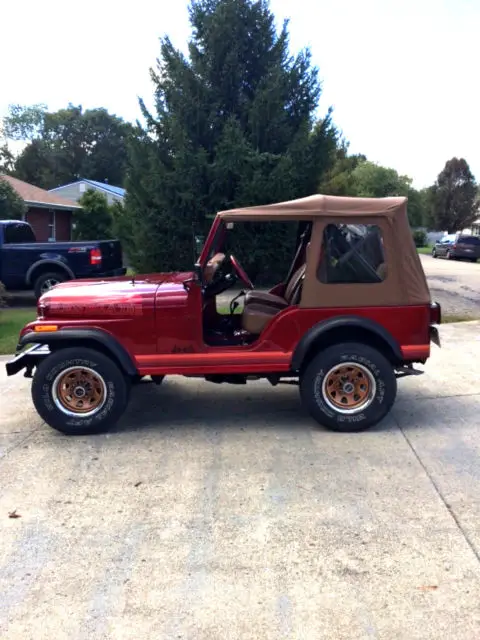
x: 407, y: 370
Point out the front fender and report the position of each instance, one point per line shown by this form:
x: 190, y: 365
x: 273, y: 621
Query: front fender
x: 71, y: 336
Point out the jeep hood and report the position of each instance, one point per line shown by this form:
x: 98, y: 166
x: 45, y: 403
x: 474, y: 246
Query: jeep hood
x: 90, y: 296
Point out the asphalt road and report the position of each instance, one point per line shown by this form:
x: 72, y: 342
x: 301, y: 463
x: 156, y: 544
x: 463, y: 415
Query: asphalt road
x: 455, y: 284
x: 218, y: 512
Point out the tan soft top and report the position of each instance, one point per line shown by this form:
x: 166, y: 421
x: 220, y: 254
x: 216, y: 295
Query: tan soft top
x: 404, y: 283
x: 319, y: 205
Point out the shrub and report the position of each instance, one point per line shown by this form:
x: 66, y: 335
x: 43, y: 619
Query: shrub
x: 3, y: 296
x: 94, y: 220
x: 420, y: 238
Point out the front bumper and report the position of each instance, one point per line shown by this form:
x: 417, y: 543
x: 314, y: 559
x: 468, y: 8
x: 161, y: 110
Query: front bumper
x: 27, y: 359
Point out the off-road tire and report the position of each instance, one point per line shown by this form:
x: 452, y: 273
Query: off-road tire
x: 315, y: 398
x: 116, y: 395
x: 39, y: 283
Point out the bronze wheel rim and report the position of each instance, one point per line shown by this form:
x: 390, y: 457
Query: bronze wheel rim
x: 79, y: 391
x: 349, y: 388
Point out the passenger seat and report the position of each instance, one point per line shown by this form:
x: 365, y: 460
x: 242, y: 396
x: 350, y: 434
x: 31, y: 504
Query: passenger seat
x: 278, y: 302
x: 260, y: 308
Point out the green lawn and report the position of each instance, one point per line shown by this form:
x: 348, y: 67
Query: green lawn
x: 448, y: 318
x: 425, y: 250
x: 11, y: 323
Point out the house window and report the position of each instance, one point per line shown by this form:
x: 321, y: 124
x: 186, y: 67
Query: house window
x: 51, y: 226
x: 81, y: 187
x: 352, y: 254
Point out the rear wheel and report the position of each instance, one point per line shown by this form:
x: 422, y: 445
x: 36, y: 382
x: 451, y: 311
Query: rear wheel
x: 79, y: 391
x: 348, y: 387
x: 46, y: 281
x: 434, y: 253
x: 449, y: 255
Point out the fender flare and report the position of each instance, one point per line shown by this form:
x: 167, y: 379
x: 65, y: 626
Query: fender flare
x: 49, y: 261
x: 70, y: 336
x: 340, y: 322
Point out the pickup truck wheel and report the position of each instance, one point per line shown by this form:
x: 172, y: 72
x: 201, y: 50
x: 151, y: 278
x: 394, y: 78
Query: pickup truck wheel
x: 348, y: 387
x: 46, y: 281
x: 79, y: 391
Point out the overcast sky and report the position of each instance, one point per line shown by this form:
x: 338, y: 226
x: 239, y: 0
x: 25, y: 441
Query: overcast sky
x: 402, y: 75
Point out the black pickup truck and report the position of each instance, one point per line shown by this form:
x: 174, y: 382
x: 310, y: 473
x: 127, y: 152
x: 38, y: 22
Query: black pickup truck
x: 27, y: 264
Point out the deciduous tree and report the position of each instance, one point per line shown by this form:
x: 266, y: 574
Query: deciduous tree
x: 454, y: 202
x: 68, y: 144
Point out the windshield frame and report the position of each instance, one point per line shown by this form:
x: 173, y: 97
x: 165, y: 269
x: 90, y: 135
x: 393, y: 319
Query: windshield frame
x: 214, y: 241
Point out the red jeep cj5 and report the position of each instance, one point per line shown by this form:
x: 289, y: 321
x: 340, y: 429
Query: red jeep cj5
x: 353, y: 314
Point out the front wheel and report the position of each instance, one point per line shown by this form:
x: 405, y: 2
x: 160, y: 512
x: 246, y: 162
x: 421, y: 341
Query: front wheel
x: 434, y: 253
x: 79, y: 391
x: 348, y: 387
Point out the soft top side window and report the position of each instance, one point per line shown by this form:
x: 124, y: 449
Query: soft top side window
x: 352, y: 254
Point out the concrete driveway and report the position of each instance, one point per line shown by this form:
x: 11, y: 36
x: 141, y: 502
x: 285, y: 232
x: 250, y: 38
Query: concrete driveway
x: 225, y: 513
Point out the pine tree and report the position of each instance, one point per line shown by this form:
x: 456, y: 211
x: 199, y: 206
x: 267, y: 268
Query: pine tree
x: 454, y: 197
x: 235, y: 125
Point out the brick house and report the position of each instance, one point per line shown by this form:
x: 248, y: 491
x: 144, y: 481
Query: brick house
x: 50, y: 215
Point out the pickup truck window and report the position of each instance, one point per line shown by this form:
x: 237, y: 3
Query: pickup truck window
x: 18, y: 233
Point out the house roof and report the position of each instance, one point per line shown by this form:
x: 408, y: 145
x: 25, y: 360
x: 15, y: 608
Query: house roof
x: 35, y: 196
x: 116, y: 191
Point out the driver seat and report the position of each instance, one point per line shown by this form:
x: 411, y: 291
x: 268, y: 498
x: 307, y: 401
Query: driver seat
x: 278, y: 303
x: 260, y: 309
x: 256, y: 316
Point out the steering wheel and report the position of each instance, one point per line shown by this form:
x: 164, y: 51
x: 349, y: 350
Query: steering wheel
x: 241, y: 273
